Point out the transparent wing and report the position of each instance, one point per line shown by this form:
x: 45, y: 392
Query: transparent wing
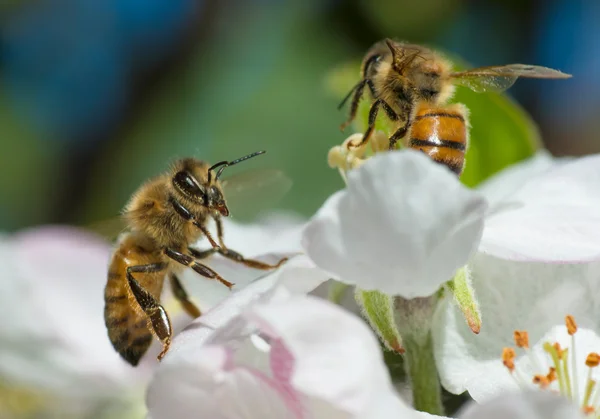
x: 255, y: 190
x: 500, y: 78
x: 109, y: 228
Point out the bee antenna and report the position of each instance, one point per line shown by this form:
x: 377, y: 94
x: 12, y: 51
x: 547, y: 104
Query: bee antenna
x: 214, y: 166
x: 349, y: 94
x: 226, y: 164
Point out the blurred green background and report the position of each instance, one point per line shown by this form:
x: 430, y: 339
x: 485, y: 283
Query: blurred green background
x: 98, y: 95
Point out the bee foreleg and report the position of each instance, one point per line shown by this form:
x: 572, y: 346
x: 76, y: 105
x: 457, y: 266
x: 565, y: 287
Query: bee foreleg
x: 182, y: 296
x: 161, y: 325
x: 236, y: 257
x: 187, y: 215
x: 391, y: 113
x: 219, y: 224
x: 190, y: 262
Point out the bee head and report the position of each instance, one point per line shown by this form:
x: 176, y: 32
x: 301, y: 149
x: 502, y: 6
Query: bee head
x: 402, y: 55
x: 201, y: 185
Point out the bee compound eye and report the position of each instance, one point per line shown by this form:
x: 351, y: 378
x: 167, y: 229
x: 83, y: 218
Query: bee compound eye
x: 187, y: 184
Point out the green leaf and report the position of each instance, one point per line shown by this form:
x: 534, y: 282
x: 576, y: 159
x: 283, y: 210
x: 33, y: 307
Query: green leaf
x: 501, y: 133
x: 378, y: 310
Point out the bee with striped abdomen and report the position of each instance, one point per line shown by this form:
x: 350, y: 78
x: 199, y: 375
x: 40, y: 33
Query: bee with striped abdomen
x: 405, y: 79
x: 165, y: 217
x: 441, y: 133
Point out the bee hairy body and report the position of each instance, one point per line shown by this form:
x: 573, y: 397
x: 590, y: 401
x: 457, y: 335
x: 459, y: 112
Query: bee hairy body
x: 165, y: 216
x: 129, y: 328
x: 402, y: 78
x: 442, y: 133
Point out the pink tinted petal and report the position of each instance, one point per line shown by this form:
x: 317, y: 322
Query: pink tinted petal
x: 336, y: 357
x: 198, y: 383
x: 298, y: 275
x: 64, y: 272
x: 282, y: 361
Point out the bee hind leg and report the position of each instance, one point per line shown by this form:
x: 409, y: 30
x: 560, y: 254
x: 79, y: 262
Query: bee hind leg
x: 182, y: 296
x: 161, y: 324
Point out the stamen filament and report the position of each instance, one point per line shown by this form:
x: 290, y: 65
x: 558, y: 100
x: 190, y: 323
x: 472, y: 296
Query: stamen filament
x: 565, y: 363
x: 574, y: 366
x: 551, y: 350
x: 589, y: 389
x: 596, y: 398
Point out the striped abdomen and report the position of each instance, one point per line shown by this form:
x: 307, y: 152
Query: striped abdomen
x: 129, y: 329
x: 442, y: 134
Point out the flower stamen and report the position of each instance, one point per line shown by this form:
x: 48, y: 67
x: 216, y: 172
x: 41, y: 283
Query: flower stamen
x: 521, y: 339
x: 562, y: 370
x: 572, y: 329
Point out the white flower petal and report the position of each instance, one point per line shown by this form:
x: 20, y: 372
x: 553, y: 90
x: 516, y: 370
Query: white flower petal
x: 324, y: 340
x: 53, y: 339
x: 523, y: 405
x: 512, y: 296
x: 206, y: 387
x: 552, y: 218
x: 509, y: 180
x: 298, y: 275
x: 323, y: 363
x: 399, y: 213
x: 269, y: 241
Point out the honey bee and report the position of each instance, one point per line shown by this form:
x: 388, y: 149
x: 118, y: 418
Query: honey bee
x: 412, y: 84
x: 165, y: 216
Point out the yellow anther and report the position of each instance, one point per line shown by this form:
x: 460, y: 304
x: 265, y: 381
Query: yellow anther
x: 551, y: 376
x: 541, y: 380
x: 592, y: 360
x: 508, y: 358
x: 336, y: 158
x: 349, y: 144
x: 571, y: 325
x: 588, y: 410
x: 521, y: 339
x: 559, y: 351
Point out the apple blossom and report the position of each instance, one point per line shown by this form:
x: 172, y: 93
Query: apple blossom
x: 283, y: 356
x: 54, y: 351
x: 404, y: 226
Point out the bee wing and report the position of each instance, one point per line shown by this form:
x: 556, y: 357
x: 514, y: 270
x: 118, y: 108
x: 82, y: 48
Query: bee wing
x: 109, y: 228
x: 500, y: 78
x: 253, y: 190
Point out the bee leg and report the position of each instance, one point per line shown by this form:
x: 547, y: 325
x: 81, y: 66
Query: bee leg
x: 161, y: 325
x: 182, y: 296
x: 358, y: 92
x: 187, y: 215
x: 401, y: 132
x: 236, y: 257
x: 398, y: 135
x: 372, y: 117
x: 219, y: 224
x: 190, y: 262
